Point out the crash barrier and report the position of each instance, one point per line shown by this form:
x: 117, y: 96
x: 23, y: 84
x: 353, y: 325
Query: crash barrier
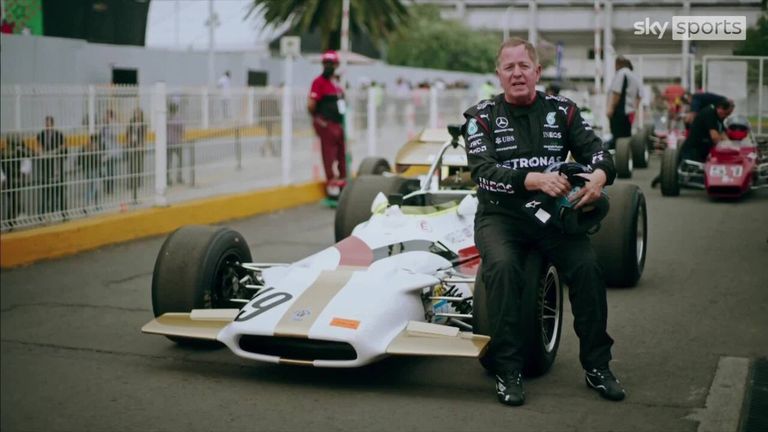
x: 27, y: 246
x: 123, y: 148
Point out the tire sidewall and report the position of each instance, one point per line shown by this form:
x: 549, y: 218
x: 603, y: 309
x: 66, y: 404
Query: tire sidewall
x: 670, y: 185
x: 623, y: 158
x: 615, y: 244
x: 538, y: 360
x: 373, y: 166
x: 187, y: 264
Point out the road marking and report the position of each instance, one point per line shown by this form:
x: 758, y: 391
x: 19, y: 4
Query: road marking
x: 726, y: 397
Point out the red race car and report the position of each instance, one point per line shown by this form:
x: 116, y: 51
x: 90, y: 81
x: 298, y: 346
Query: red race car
x: 733, y: 167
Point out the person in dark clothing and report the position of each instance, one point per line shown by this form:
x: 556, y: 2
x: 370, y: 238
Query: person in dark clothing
x: 705, y: 132
x: 511, y: 139
x: 89, y: 162
x: 326, y: 105
x: 14, y: 178
x: 698, y: 102
x: 136, y: 134
x: 53, y: 155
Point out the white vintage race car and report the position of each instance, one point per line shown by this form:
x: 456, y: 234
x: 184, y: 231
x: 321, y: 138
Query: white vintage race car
x: 403, y: 283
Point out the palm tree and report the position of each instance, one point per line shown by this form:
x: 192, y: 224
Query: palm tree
x: 377, y: 18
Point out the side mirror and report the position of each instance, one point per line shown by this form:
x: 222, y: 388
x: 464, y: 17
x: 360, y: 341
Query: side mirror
x: 379, y: 202
x: 467, y: 206
x: 455, y: 131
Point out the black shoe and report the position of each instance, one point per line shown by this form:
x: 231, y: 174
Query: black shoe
x: 605, y: 383
x: 509, y: 388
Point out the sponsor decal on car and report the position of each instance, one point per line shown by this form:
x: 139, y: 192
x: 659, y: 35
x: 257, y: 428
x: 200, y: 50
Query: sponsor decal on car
x: 299, y: 315
x: 345, y: 323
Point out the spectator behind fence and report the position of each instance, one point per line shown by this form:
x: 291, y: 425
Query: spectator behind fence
x: 89, y: 163
x: 112, y: 150
x: 136, y: 134
x: 223, y: 84
x: 15, y: 172
x: 175, y: 136
x: 53, y: 153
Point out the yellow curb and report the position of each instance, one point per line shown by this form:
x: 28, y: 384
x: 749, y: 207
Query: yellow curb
x: 26, y: 247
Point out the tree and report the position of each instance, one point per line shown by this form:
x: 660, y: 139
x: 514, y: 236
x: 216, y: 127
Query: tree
x: 431, y: 42
x: 378, y: 18
x: 756, y: 43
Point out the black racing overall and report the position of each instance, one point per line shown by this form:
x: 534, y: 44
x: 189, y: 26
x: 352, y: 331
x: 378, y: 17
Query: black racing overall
x: 504, y: 144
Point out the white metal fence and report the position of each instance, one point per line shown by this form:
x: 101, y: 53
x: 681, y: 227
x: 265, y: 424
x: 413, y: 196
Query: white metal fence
x: 119, y: 148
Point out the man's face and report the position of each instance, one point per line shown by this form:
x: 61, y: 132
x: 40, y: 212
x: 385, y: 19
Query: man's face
x: 329, y: 66
x: 518, y: 75
x: 723, y: 113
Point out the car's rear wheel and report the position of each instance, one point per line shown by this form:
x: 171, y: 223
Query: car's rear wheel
x: 356, y: 199
x: 198, y: 267
x: 640, y: 154
x: 373, y: 166
x: 670, y: 185
x: 622, y: 241
x: 541, y: 318
x: 623, y: 158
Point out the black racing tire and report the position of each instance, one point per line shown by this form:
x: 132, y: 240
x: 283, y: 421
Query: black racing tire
x: 196, y: 269
x: 640, y: 153
x: 670, y: 184
x: 541, y: 315
x: 356, y: 199
x: 623, y: 158
x: 621, y: 242
x: 373, y: 166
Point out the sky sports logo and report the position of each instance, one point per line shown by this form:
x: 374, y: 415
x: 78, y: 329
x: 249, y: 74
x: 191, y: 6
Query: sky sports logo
x: 723, y: 28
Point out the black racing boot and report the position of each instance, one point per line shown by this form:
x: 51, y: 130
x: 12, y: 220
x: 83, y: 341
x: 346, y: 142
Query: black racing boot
x: 605, y: 383
x: 509, y: 388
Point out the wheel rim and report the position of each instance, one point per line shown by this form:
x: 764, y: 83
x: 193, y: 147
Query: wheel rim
x: 226, y: 282
x: 550, y: 309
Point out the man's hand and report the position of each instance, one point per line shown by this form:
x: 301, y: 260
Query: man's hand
x: 552, y: 184
x: 591, y: 191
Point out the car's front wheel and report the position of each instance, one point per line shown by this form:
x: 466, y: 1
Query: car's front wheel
x: 670, y: 185
x: 198, y: 267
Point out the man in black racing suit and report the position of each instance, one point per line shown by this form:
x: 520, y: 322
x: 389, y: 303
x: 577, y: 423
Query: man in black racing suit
x: 511, y: 139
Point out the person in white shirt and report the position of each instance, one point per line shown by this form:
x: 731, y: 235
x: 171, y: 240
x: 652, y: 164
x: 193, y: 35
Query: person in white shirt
x: 223, y: 85
x: 623, y: 100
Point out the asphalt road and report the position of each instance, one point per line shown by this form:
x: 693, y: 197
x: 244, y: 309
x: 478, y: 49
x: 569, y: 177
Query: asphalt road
x: 73, y: 357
